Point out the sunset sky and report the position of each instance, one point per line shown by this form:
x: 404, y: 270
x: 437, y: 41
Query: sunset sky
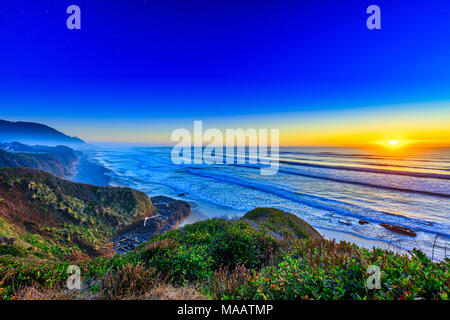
x: 139, y: 69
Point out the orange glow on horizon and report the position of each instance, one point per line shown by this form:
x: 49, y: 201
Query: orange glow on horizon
x: 394, y: 143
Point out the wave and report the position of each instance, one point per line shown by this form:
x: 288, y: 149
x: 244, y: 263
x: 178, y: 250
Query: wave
x: 363, y: 156
x: 365, y: 163
x: 366, y: 184
x: 338, y: 207
x: 416, y: 174
x: 297, y: 163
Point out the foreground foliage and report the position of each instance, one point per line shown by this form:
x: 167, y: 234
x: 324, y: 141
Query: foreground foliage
x: 225, y: 259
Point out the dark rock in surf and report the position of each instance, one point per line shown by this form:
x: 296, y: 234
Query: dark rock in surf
x: 399, y: 229
x: 363, y: 222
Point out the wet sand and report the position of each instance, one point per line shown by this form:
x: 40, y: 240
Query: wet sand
x: 360, y: 241
x: 202, y: 210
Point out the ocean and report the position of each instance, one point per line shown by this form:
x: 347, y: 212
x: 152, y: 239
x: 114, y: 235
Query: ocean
x: 330, y: 188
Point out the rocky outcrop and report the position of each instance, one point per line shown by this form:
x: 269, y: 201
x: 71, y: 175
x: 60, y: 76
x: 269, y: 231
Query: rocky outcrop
x: 399, y: 229
x: 168, y: 214
x: 280, y: 224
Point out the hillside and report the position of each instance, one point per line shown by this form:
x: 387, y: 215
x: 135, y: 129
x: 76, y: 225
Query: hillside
x: 53, y: 218
x: 281, y: 224
x: 59, y: 160
x: 34, y: 133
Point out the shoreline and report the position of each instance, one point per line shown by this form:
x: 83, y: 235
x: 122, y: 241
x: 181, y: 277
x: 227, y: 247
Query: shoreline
x: 358, y: 240
x: 89, y: 172
x: 202, y: 210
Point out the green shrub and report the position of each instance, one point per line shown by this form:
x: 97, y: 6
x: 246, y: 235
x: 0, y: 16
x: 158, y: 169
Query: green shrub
x: 281, y: 223
x: 231, y: 260
x: 12, y: 250
x: 326, y: 270
x: 196, y: 250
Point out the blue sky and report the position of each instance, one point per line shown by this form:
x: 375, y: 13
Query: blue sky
x: 138, y: 69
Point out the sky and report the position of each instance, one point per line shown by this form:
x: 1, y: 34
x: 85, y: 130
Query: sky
x: 137, y: 70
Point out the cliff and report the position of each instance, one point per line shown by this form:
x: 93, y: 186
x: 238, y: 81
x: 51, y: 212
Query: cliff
x: 59, y: 160
x: 54, y: 218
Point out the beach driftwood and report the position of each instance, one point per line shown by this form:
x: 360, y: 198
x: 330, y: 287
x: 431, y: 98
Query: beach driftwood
x: 399, y: 229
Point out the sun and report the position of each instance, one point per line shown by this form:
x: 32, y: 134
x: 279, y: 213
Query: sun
x: 393, y: 143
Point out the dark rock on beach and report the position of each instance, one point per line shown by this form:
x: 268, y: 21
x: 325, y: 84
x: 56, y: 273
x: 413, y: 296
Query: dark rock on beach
x: 168, y: 214
x: 399, y: 229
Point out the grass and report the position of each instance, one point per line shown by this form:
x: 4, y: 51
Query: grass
x: 281, y: 224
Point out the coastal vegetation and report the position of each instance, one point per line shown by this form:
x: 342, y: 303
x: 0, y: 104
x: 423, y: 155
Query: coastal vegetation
x: 55, y: 219
x: 232, y: 259
x: 48, y: 224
